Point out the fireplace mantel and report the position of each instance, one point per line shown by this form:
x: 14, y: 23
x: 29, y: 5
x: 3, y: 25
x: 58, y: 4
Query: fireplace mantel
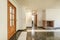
x: 48, y: 23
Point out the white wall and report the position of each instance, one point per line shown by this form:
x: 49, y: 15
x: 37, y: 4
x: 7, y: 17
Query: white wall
x: 23, y: 19
x: 3, y: 19
x: 39, y: 18
x: 28, y: 18
x: 18, y: 19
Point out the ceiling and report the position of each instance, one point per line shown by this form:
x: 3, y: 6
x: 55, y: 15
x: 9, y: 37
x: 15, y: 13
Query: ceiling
x: 37, y: 4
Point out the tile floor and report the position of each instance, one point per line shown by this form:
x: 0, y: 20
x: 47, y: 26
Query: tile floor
x: 27, y: 35
x: 40, y: 36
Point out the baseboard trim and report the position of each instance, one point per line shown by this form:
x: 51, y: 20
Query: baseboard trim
x: 37, y: 27
x: 28, y: 27
x: 41, y: 27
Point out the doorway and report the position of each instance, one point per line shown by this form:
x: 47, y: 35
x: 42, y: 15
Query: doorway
x: 11, y: 20
x: 35, y: 19
x: 34, y: 13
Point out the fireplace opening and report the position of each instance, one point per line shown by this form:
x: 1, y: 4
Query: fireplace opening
x: 50, y: 23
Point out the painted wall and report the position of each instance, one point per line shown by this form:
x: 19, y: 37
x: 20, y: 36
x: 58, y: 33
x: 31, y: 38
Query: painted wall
x: 39, y: 18
x: 3, y: 19
x: 23, y: 19
x: 28, y: 18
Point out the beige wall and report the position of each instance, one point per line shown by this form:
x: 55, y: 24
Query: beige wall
x: 3, y: 19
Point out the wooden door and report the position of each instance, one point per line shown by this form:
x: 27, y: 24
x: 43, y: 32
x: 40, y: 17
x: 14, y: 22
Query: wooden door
x: 35, y: 20
x: 11, y: 19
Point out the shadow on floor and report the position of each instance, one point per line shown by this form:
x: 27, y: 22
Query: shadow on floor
x: 16, y: 35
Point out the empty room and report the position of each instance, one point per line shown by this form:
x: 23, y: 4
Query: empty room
x: 30, y: 20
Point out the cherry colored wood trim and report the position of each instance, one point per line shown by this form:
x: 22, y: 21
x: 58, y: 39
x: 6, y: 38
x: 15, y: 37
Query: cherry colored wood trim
x: 35, y: 20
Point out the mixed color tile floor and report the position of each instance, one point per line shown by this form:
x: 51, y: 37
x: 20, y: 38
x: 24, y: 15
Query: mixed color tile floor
x: 28, y: 35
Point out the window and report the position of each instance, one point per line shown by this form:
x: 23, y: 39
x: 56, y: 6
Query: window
x: 11, y: 16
